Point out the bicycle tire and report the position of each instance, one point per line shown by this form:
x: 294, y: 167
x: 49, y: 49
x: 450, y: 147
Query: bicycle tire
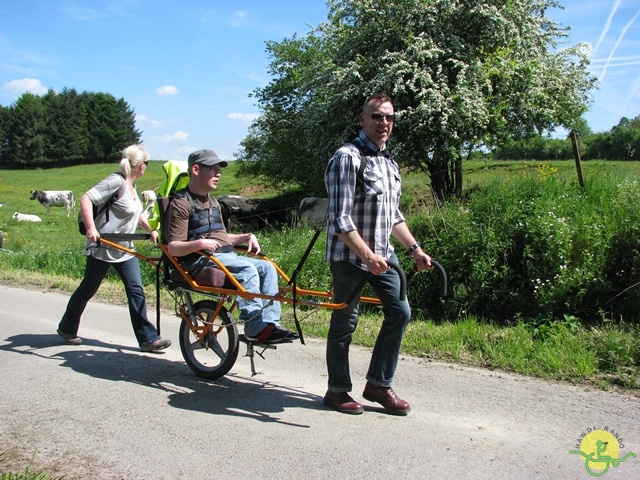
x: 218, y: 354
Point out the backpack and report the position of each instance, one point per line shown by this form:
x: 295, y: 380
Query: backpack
x: 82, y: 228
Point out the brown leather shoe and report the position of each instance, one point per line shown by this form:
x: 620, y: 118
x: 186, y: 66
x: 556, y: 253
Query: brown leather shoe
x: 386, y: 397
x: 342, y: 402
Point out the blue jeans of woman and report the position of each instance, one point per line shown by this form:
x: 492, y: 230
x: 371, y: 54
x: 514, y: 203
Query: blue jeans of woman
x: 347, y: 278
x: 94, y: 273
x: 256, y: 276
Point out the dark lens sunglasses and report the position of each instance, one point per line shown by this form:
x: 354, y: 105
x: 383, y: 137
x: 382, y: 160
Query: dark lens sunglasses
x: 378, y: 117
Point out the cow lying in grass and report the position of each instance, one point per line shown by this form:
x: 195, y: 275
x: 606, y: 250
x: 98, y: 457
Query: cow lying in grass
x: 55, y: 198
x: 25, y: 217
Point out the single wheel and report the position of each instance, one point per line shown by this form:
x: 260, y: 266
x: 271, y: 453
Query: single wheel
x: 214, y: 357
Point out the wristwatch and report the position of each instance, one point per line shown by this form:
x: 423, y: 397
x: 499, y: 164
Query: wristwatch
x: 414, y: 247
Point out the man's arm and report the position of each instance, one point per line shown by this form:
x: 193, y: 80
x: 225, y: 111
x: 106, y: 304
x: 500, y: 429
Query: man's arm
x: 402, y: 233
x: 253, y: 247
x: 375, y: 263
x: 177, y: 219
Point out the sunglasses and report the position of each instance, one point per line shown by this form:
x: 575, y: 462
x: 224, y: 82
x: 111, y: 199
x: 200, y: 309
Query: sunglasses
x: 378, y: 117
x: 146, y: 162
x: 214, y: 168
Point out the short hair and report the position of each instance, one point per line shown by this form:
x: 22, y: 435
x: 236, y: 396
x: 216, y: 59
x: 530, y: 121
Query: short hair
x: 380, y: 97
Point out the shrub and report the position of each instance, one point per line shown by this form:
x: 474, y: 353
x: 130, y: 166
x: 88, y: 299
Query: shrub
x: 532, y: 248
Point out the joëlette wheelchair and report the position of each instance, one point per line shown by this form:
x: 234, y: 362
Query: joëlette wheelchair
x: 209, y: 337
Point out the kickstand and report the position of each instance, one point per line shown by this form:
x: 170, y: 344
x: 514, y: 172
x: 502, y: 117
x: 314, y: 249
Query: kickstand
x: 251, y: 351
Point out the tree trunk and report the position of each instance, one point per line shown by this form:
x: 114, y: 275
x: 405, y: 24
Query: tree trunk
x: 438, y: 174
x: 445, y: 171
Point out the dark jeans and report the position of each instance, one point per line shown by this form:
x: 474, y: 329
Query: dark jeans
x: 346, y: 279
x: 94, y: 273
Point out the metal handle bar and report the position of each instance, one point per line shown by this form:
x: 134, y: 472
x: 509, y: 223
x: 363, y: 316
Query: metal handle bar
x: 403, y: 284
x: 443, y: 276
x: 403, y: 280
x: 125, y: 236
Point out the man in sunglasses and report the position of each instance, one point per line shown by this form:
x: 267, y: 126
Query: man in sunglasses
x: 364, y: 187
x: 193, y: 223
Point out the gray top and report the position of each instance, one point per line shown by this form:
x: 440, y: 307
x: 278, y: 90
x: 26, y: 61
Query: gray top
x: 124, y: 214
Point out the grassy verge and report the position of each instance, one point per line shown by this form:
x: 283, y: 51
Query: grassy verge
x: 30, y: 472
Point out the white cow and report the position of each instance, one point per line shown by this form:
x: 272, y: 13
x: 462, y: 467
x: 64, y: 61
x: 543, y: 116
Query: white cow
x: 25, y: 217
x: 148, y: 197
x: 312, y: 210
x: 147, y: 211
x: 55, y: 198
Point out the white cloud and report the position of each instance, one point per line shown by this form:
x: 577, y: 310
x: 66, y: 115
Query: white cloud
x: 166, y: 90
x: 143, y: 119
x: 18, y: 87
x: 243, y: 117
x: 177, y: 136
x: 239, y: 18
x: 80, y: 13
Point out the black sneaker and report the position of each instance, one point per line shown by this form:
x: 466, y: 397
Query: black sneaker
x: 292, y: 335
x: 272, y: 334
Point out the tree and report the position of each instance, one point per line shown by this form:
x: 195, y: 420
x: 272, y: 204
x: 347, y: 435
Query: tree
x: 111, y: 127
x: 26, y: 133
x: 65, y: 128
x: 5, y: 118
x: 66, y: 133
x: 625, y: 139
x: 462, y: 74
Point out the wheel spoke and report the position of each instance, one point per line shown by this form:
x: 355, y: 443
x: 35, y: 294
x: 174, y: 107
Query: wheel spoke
x: 216, y: 347
x: 197, y: 345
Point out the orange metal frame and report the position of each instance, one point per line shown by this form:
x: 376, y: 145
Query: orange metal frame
x: 285, y: 294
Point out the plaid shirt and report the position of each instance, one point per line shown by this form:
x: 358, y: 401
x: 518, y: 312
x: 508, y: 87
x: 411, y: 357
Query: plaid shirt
x: 371, y: 208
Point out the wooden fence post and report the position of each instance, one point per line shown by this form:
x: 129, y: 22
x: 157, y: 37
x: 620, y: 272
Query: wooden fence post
x: 576, y: 155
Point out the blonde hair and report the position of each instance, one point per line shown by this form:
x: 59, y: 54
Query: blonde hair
x: 132, y: 156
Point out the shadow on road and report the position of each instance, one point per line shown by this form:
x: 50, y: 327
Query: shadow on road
x: 233, y: 395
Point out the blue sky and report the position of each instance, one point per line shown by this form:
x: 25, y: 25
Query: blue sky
x: 187, y: 67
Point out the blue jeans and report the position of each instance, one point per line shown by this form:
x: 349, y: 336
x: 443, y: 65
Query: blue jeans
x: 256, y: 276
x: 94, y: 273
x: 348, y: 278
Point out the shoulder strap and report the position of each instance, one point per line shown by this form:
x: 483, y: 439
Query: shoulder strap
x: 364, y: 152
x: 119, y: 193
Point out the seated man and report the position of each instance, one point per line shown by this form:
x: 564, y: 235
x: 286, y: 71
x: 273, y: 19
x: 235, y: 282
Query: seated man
x: 193, y: 222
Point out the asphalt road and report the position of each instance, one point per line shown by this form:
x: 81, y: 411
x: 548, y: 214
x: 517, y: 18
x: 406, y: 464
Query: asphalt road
x: 104, y: 410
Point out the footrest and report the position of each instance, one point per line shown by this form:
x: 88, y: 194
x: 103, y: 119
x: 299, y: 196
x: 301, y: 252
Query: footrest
x: 244, y: 339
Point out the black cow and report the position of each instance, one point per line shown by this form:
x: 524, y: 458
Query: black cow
x: 247, y: 215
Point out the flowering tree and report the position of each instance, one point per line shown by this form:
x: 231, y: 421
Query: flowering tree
x: 462, y: 73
